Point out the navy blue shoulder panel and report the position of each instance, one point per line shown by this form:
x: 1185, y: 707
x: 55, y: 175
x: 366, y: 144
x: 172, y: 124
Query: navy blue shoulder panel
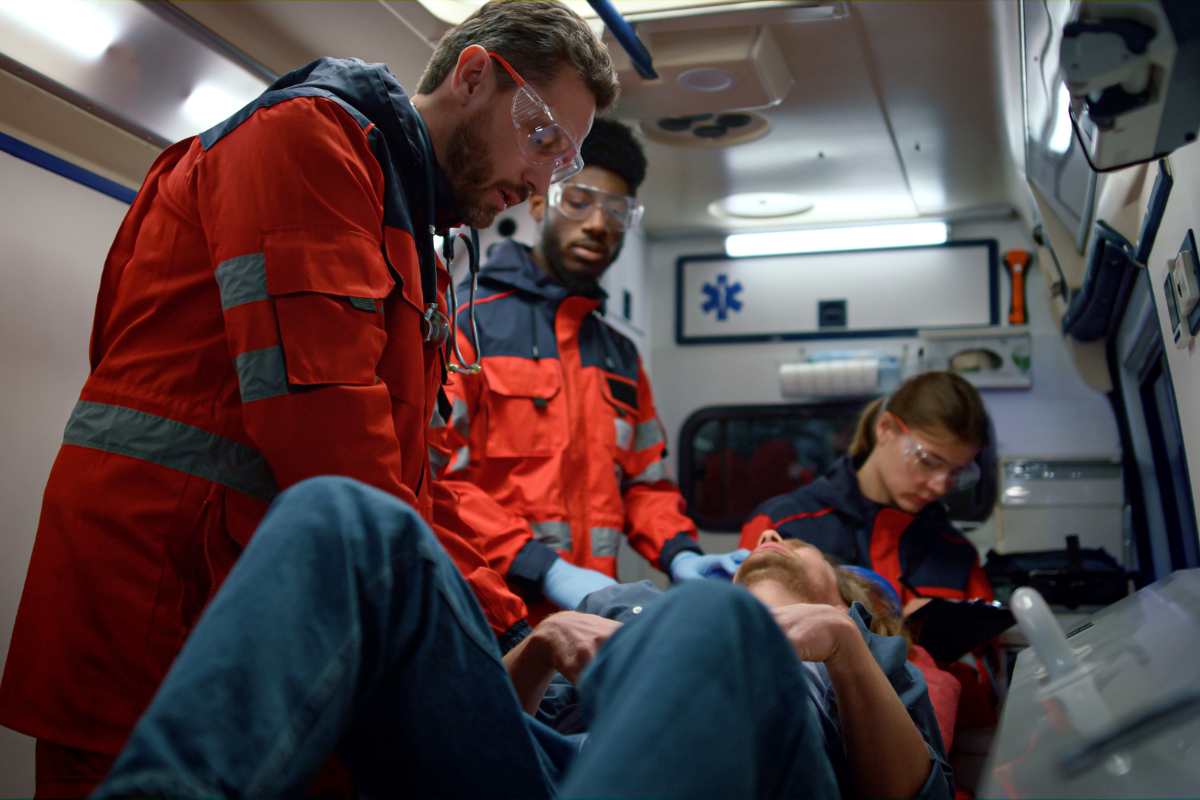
x: 785, y: 505
x: 826, y: 530
x: 516, y: 324
x: 272, y: 98
x: 395, y: 205
x: 814, y: 514
x: 934, y: 553
x: 602, y: 345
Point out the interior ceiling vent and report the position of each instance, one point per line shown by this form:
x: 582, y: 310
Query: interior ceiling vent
x: 704, y: 71
x: 707, y: 130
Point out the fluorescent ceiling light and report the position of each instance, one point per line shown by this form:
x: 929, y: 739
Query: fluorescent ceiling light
x: 455, y: 11
x: 77, y: 26
x: 208, y: 104
x: 823, y: 240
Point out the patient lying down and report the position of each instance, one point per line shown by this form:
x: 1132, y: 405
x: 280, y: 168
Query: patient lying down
x: 346, y: 631
x: 809, y: 597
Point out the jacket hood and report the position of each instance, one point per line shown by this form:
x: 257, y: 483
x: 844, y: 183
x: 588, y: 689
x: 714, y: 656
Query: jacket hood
x: 839, y: 488
x: 510, y: 265
x: 373, y: 90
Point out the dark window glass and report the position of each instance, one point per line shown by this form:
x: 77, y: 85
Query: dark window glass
x: 1170, y: 465
x: 734, y: 457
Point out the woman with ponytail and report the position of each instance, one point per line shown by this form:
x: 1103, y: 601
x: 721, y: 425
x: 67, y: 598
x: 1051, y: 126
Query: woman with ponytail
x: 877, y: 507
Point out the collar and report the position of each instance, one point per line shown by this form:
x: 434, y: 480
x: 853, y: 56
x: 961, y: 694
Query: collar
x: 407, y: 126
x: 510, y: 265
x: 374, y: 92
x: 842, y: 485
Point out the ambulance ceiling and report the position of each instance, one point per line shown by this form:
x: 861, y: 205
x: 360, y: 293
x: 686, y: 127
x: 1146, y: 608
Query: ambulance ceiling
x: 895, y: 109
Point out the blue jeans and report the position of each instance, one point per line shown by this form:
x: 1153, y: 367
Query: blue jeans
x: 345, y: 628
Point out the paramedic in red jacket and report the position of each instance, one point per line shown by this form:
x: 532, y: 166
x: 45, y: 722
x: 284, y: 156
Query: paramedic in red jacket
x: 560, y: 428
x: 259, y: 322
x: 878, y: 508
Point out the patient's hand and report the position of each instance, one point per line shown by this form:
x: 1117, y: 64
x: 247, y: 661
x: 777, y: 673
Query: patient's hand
x: 570, y: 640
x: 818, y: 632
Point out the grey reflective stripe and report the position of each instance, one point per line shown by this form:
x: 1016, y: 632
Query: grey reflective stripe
x: 655, y: 472
x: 437, y: 459
x: 242, y: 279
x: 261, y: 374
x: 172, y: 444
x: 605, y: 541
x: 648, y: 434
x: 624, y: 433
x: 363, y: 303
x: 553, y: 533
x: 462, y: 457
x: 458, y: 417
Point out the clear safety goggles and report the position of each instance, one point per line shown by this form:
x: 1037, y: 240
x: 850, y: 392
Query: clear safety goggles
x: 578, y: 201
x: 541, y: 138
x: 933, y: 466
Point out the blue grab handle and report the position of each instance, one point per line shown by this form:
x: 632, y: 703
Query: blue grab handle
x: 627, y: 38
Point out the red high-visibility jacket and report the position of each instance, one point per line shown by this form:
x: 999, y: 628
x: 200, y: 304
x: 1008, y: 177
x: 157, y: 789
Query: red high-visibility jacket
x: 258, y: 323
x: 560, y: 429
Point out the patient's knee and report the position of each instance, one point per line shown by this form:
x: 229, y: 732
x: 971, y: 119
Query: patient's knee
x: 334, y: 511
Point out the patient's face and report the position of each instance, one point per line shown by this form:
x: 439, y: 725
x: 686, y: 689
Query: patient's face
x: 780, y: 571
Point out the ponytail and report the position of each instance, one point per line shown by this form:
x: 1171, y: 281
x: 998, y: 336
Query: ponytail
x: 864, y: 432
x: 930, y: 401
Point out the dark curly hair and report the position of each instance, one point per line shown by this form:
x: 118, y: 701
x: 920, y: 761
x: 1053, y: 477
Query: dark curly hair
x: 611, y: 145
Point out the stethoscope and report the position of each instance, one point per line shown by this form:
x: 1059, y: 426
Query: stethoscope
x: 438, y: 328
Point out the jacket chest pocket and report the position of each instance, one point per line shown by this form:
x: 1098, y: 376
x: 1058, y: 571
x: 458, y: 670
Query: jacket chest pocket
x: 327, y: 296
x: 620, y: 404
x: 526, y: 407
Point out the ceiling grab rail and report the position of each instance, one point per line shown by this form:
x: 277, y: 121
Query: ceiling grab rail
x: 626, y: 37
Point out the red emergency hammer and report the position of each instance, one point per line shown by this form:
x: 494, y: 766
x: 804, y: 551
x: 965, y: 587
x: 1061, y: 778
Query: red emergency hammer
x: 1017, y: 263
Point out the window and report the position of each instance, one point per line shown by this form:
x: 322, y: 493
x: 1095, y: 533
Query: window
x: 734, y: 457
x: 1162, y: 517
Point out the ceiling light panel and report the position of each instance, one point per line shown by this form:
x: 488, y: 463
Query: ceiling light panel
x: 144, y: 67
x: 825, y: 240
x: 455, y: 11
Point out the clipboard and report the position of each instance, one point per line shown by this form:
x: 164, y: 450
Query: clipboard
x: 949, y: 629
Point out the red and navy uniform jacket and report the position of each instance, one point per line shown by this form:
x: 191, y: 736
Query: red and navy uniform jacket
x: 560, y: 428
x: 921, y: 555
x: 258, y: 323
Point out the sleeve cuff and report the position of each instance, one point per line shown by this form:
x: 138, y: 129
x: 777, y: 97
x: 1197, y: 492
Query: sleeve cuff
x: 529, y: 568
x: 675, y: 545
x: 514, y: 636
x: 940, y: 783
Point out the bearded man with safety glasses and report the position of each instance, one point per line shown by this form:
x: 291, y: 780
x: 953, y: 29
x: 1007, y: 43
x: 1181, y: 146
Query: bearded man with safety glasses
x: 561, y: 428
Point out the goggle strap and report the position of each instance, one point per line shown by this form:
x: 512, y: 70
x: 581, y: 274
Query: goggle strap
x: 512, y: 73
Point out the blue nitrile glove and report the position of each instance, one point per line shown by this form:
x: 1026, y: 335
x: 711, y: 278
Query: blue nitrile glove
x: 690, y: 565
x: 566, y: 585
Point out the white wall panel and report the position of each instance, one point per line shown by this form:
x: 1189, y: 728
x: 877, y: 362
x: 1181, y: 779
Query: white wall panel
x: 909, y: 288
x: 54, y: 235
